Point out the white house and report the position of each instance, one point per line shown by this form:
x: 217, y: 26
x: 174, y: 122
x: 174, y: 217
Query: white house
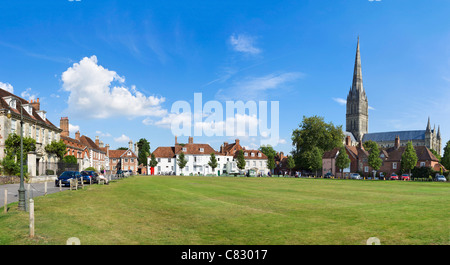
x: 198, y: 157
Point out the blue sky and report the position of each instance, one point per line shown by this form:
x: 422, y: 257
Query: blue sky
x: 115, y: 67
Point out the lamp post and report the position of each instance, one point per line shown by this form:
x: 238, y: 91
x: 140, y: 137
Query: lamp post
x: 21, y: 187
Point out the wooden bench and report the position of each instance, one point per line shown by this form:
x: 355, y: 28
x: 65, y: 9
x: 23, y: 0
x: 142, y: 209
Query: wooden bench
x: 75, y: 185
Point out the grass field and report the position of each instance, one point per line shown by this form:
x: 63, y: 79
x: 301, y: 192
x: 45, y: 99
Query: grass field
x: 173, y: 210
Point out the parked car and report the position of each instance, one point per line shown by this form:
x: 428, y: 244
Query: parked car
x: 405, y: 177
x: 89, y: 176
x: 66, y: 176
x: 440, y: 178
x: 355, y: 176
x: 393, y: 176
x: 328, y: 175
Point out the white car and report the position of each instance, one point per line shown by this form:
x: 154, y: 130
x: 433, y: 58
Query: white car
x: 440, y: 178
x: 355, y: 176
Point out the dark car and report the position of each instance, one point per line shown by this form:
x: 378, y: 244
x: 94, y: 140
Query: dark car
x: 89, y: 176
x: 66, y: 176
x: 329, y: 175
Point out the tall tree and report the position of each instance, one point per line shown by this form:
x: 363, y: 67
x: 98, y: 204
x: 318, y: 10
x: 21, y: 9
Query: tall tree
x: 409, y: 158
x: 342, y: 159
x: 445, y: 160
x: 181, y: 161
x: 290, y: 163
x: 314, y: 157
x: 268, y: 150
x: 271, y: 162
x: 240, y: 160
x: 368, y: 145
x: 374, y: 159
x: 314, y: 132
x: 143, y: 151
x: 213, y: 162
x: 153, y: 161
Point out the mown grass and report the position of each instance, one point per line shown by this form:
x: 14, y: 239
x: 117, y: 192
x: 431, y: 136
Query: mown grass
x: 173, y: 210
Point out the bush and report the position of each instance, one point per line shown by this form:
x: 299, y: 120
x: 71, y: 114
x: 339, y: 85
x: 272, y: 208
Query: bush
x: 90, y: 169
x: 49, y: 172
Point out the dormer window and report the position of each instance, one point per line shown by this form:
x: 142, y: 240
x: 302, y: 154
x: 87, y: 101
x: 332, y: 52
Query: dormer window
x: 259, y: 155
x: 28, y: 108
x: 253, y: 154
x: 129, y: 153
x: 245, y: 154
x: 12, y: 101
x: 184, y: 149
x: 42, y: 114
x: 202, y: 150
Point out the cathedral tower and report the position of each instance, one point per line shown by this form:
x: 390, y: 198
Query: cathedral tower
x: 357, y: 118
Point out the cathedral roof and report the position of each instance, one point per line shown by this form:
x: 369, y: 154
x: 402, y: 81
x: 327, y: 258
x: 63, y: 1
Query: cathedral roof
x: 390, y: 136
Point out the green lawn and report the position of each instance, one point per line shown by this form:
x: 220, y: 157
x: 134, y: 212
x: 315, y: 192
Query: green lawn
x: 177, y: 210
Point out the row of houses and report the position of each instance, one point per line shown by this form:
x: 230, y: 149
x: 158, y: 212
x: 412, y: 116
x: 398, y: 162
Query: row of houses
x: 390, y: 156
x: 198, y: 156
x: 96, y: 154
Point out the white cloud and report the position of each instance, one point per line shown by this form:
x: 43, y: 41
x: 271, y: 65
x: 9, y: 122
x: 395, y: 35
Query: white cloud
x: 123, y: 138
x: 96, y: 92
x: 28, y: 95
x: 175, y: 118
x: 102, y: 134
x: 282, y: 141
x: 341, y: 101
x: 73, y: 128
x: 7, y: 86
x: 254, y: 88
x: 244, y: 43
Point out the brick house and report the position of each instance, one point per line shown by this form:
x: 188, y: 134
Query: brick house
x: 123, y: 159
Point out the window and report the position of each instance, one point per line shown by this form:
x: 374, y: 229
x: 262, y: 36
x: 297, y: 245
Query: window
x: 159, y: 160
x: 366, y: 169
x: 422, y: 164
x: 184, y: 149
x: 13, y: 126
x: 259, y: 155
x: 169, y: 160
x: 253, y: 154
x: 132, y: 160
x: 129, y: 153
x: 394, y: 165
x: 254, y: 163
x: 245, y: 154
x: 201, y: 150
x: 37, y: 134
x: 126, y: 160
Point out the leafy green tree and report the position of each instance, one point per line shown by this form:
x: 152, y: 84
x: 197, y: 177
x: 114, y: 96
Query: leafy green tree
x: 409, y: 158
x: 369, y: 145
x: 58, y: 148
x: 12, y: 145
x: 240, y: 160
x: 153, y: 161
x: 312, y: 133
x: 213, y: 162
x: 342, y: 159
x: 374, y: 159
x: 314, y: 157
x: 271, y: 162
x: 70, y: 159
x: 290, y: 163
x: 122, y: 148
x: 268, y: 150
x: 181, y: 161
x: 445, y: 160
x: 144, y: 151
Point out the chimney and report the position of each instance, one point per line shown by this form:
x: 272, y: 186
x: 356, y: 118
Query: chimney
x: 77, y: 135
x: 97, y: 141
x: 107, y: 149
x: 397, y: 142
x: 101, y: 144
x: 36, y: 105
x: 130, y: 145
x: 64, y: 125
x: 191, y: 140
x: 348, y: 140
x: 176, y: 140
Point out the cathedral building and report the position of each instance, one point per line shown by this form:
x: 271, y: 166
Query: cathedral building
x: 357, y: 119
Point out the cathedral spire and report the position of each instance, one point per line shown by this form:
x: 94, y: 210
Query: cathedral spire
x: 357, y: 72
x: 439, y: 132
x: 428, y: 125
